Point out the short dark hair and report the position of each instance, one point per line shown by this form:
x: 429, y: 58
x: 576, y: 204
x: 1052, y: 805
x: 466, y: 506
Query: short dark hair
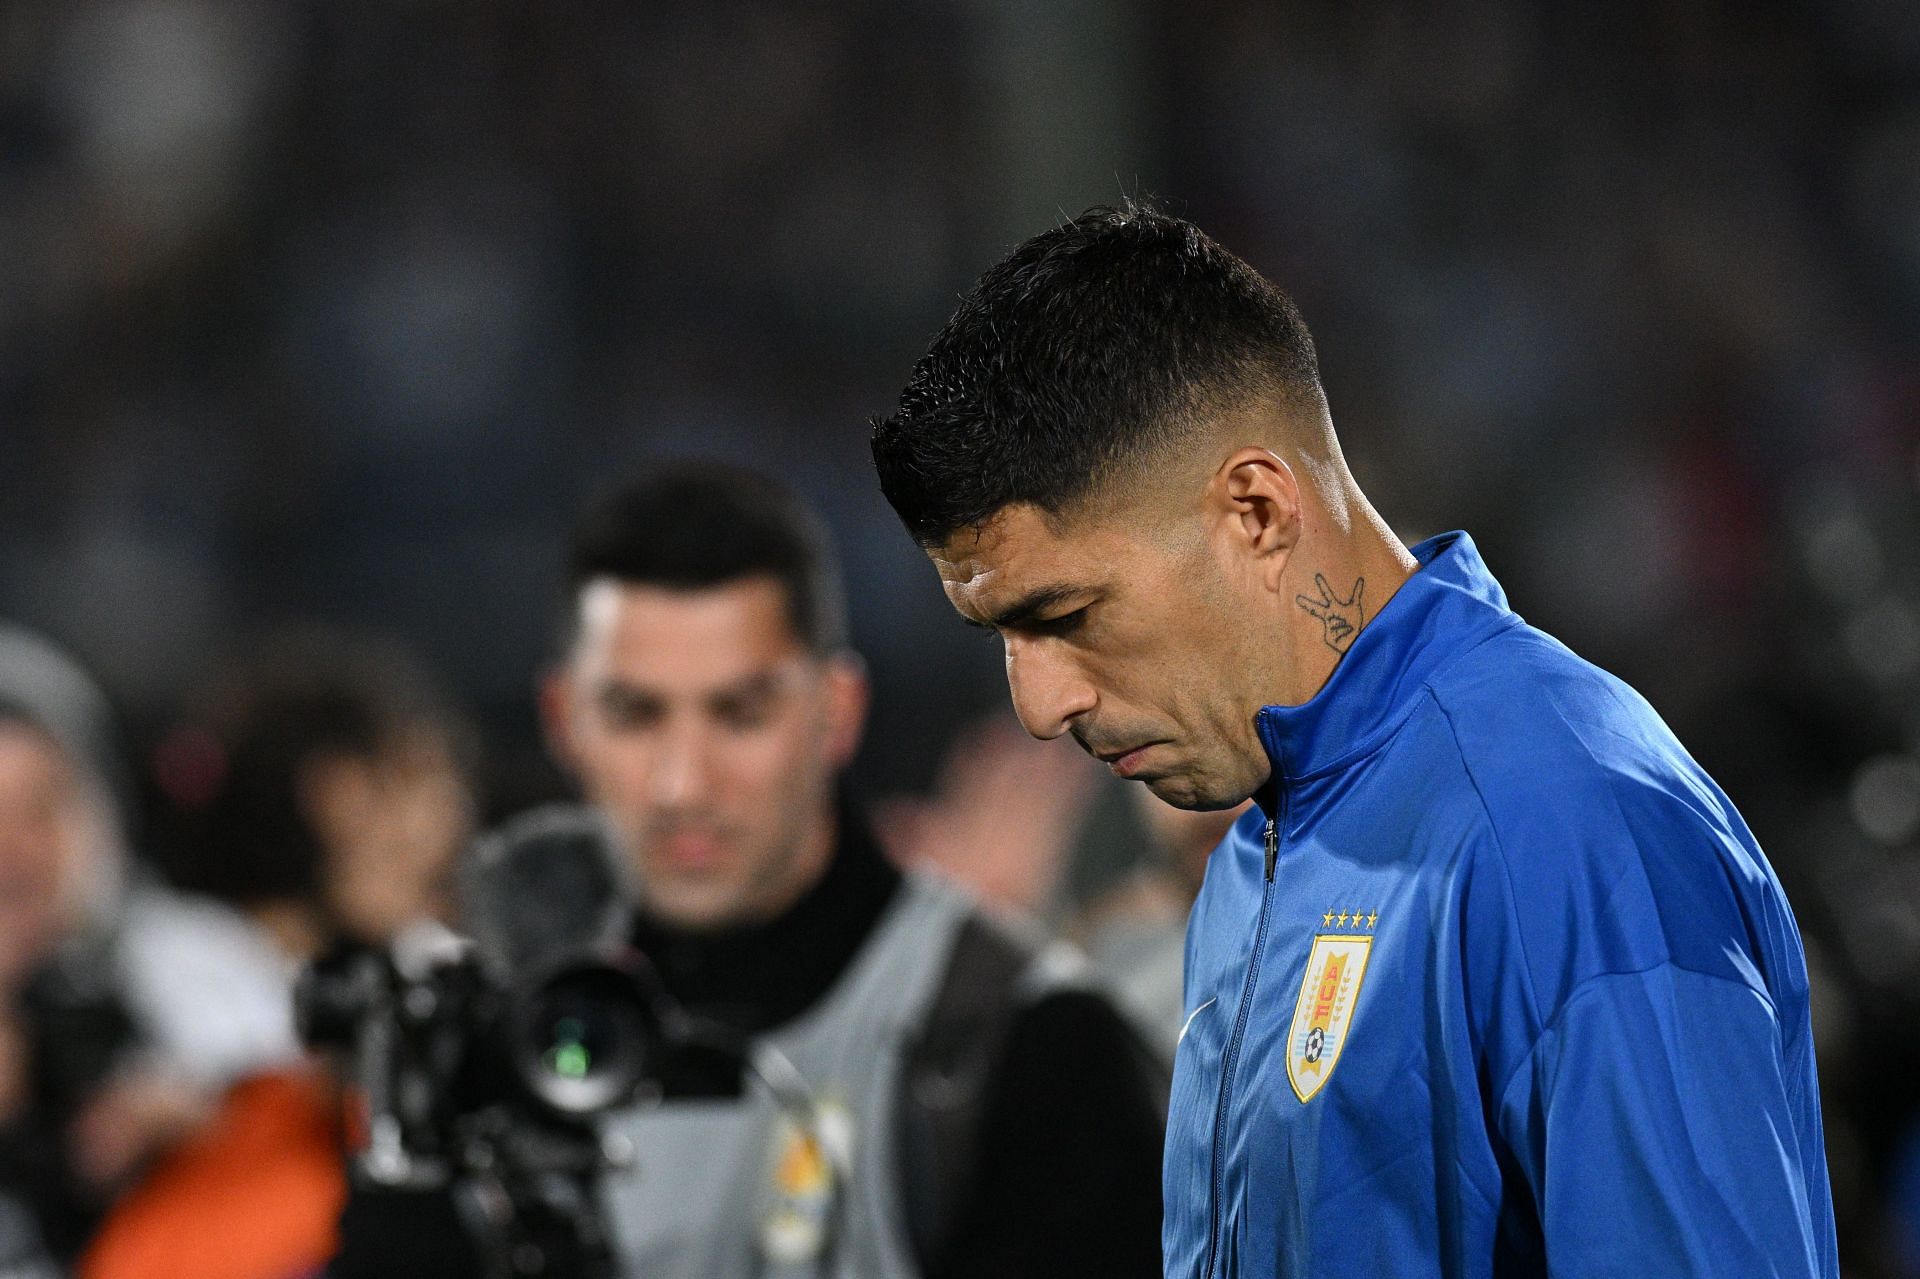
x: 303, y: 695
x: 690, y: 526
x: 1089, y: 349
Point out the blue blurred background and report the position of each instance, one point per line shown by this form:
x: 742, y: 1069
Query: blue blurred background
x: 338, y: 310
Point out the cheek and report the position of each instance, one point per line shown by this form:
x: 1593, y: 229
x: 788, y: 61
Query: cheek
x: 773, y: 769
x: 1136, y: 679
x: 33, y: 843
x: 1163, y: 695
x: 615, y: 765
x: 437, y: 821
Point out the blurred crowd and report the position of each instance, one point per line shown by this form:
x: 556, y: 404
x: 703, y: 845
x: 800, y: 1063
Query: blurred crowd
x: 148, y: 1019
x: 167, y: 1107
x: 337, y: 311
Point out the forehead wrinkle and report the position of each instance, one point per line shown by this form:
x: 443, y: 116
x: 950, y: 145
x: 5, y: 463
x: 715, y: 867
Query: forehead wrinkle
x: 963, y: 579
x: 962, y: 574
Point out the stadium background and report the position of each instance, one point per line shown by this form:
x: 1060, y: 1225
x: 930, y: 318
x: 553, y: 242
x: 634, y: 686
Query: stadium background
x: 337, y: 311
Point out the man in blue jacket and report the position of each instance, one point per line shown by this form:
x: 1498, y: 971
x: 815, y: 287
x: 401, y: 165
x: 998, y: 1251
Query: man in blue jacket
x: 1493, y: 979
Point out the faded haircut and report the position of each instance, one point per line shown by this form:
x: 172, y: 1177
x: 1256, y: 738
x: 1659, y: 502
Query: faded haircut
x: 1085, y: 357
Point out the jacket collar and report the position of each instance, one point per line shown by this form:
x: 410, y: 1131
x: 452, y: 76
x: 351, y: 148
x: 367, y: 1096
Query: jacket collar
x: 1449, y: 605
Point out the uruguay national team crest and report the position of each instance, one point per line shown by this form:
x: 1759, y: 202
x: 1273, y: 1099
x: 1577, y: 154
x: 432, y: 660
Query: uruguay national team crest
x: 807, y: 1164
x: 1323, y: 1018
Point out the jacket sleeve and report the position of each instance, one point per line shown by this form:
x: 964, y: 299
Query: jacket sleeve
x: 1653, y: 1123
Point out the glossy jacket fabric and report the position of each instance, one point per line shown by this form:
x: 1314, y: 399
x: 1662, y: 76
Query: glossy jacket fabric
x: 1493, y: 981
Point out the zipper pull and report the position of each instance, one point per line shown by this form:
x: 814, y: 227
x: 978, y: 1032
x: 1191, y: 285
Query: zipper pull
x: 1273, y: 849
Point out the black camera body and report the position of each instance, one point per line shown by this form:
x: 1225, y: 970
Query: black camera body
x: 435, y: 1039
x: 477, y: 1087
x: 479, y: 1064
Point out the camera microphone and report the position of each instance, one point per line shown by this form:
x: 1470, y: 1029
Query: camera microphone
x: 547, y: 885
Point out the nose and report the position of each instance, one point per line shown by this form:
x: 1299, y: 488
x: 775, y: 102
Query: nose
x: 683, y: 771
x: 1049, y: 692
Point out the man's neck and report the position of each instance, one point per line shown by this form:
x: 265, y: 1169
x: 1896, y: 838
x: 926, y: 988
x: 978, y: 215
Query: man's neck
x: 805, y: 868
x: 755, y: 976
x: 1337, y: 583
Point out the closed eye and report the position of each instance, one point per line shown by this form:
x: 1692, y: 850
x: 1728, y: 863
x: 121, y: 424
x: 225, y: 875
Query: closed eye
x: 1028, y: 615
x: 1046, y: 627
x: 1051, y: 627
x: 1065, y: 624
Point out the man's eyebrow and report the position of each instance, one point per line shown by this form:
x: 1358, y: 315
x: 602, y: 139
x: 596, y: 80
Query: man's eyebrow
x: 1023, y: 611
x: 760, y: 683
x: 612, y: 686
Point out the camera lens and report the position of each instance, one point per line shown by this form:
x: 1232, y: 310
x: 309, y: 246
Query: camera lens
x: 576, y: 1035
x: 570, y: 1054
x: 587, y: 1038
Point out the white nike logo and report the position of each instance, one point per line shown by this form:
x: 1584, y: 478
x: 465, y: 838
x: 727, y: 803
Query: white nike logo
x: 1195, y: 1013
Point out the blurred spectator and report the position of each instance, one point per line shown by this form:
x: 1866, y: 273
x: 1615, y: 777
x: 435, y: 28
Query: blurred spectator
x: 1133, y: 924
x: 331, y: 804
x: 1041, y: 832
x: 1000, y: 820
x: 336, y: 794
x: 85, y: 1099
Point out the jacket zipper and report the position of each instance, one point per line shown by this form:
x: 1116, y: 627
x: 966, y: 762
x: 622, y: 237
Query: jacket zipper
x: 1232, y: 1061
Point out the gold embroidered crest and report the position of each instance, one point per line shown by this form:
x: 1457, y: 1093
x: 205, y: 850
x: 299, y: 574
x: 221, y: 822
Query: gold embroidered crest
x: 1323, y: 1019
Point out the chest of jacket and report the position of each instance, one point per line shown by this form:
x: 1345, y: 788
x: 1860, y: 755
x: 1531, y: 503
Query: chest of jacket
x: 1329, y: 1057
x: 798, y: 1177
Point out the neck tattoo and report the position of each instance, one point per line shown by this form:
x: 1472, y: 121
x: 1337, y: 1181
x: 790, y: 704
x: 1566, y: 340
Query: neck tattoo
x: 1341, y: 619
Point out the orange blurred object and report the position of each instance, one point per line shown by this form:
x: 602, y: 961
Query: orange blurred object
x: 256, y: 1195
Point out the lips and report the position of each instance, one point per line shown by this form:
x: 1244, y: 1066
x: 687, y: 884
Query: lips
x: 1126, y: 763
x: 690, y: 851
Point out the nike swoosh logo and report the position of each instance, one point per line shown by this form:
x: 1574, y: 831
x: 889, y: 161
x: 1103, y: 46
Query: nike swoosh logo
x: 1195, y: 1013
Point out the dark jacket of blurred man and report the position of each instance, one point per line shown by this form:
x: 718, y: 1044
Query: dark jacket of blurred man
x: 1492, y: 979
x: 952, y: 1109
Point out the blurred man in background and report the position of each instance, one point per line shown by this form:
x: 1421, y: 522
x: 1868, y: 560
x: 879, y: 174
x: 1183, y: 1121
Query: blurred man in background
x: 1574, y: 993
x: 968, y: 1114
x: 1043, y: 834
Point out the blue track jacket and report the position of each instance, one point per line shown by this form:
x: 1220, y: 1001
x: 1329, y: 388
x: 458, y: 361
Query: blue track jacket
x: 1493, y: 981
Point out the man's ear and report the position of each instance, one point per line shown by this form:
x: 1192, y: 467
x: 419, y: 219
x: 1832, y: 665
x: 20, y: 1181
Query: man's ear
x: 555, y: 696
x: 848, y: 695
x: 1254, y: 501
